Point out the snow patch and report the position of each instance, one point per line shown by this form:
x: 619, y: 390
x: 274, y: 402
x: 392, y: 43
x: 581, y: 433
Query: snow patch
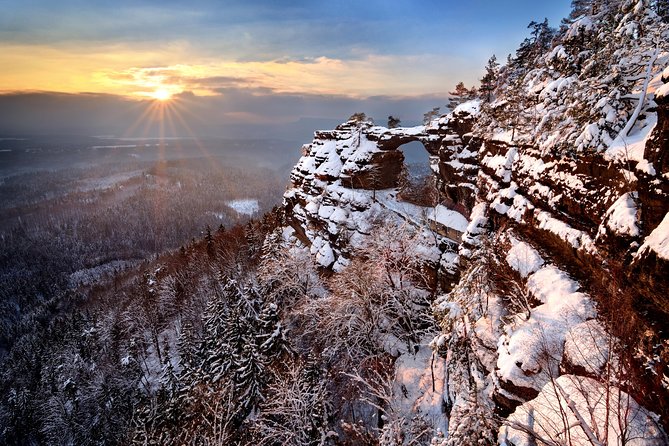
x: 523, y: 258
x: 246, y: 206
x: 658, y: 240
x: 599, y: 410
x: 577, y: 239
x: 632, y: 147
x: 531, y: 348
x: 446, y: 217
x: 622, y: 215
x: 471, y: 107
x: 587, y: 346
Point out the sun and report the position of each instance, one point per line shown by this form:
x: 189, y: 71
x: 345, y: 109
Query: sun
x: 162, y: 95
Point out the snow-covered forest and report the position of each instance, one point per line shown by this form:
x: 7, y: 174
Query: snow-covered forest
x: 512, y: 293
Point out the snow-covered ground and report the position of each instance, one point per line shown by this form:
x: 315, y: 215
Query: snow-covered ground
x: 529, y: 337
x: 658, y: 240
x: 420, y: 386
x: 246, y: 206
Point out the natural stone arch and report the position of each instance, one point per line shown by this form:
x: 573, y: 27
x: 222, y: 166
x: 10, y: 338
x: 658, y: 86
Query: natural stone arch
x: 385, y: 166
x: 417, y: 183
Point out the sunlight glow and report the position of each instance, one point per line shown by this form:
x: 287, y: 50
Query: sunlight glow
x: 161, y: 94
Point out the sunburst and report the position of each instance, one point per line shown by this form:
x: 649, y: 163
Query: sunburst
x: 161, y: 94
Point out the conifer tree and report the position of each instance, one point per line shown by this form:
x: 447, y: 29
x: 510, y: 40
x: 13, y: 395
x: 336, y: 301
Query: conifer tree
x: 271, y: 337
x: 489, y: 80
x: 250, y: 377
x: 429, y: 116
x: 579, y: 8
x: 209, y: 239
x: 460, y: 94
x: 393, y: 122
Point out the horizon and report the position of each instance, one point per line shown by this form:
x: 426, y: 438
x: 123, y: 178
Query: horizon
x: 228, y: 71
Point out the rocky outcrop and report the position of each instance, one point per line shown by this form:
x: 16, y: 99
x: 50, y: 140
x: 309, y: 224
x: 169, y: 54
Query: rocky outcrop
x: 347, y: 177
x: 598, y: 218
x: 602, y: 218
x: 563, y: 178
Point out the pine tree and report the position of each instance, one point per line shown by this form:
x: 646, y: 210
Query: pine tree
x: 429, y: 116
x: 250, y: 377
x: 393, y: 122
x: 186, y: 346
x: 271, y: 337
x: 313, y: 383
x: 489, y: 80
x: 209, y: 239
x: 358, y: 117
x: 460, y: 94
x: 541, y: 36
x: 579, y: 8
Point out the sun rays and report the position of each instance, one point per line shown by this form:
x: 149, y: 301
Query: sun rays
x: 162, y: 94
x: 163, y: 120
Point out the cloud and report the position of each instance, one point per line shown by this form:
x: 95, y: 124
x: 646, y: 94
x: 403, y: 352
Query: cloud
x: 131, y: 70
x: 363, y: 77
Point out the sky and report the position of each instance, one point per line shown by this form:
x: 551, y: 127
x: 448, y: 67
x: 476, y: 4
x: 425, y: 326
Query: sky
x: 77, y: 64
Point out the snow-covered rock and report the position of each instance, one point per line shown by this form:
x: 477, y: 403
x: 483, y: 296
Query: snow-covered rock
x: 579, y: 411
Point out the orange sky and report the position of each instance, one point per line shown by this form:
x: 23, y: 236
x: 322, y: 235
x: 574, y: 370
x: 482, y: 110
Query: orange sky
x: 119, y: 69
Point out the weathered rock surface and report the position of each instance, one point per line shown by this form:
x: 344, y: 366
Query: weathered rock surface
x: 330, y: 205
x: 599, y: 218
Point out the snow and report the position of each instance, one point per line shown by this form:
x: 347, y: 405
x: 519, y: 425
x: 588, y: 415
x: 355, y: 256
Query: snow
x: 554, y: 88
x: 523, y: 258
x: 600, y: 411
x: 89, y: 276
x: 417, y: 130
x: 245, y: 206
x: 471, y: 107
x: 662, y: 91
x: 414, y: 385
x: 658, y: 240
x: 520, y: 205
x: 646, y: 167
x: 579, y: 26
x: 363, y: 151
x: 587, y: 346
x: 558, y: 52
x: 446, y: 217
x: 501, y: 164
x: 524, y: 347
x: 577, y: 239
x: 331, y: 166
x: 622, y: 215
x: 631, y: 148
x: 325, y: 256
x: 505, y: 136
x: 108, y: 182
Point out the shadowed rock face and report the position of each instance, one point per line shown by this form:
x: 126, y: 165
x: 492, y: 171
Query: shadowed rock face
x: 565, y: 205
